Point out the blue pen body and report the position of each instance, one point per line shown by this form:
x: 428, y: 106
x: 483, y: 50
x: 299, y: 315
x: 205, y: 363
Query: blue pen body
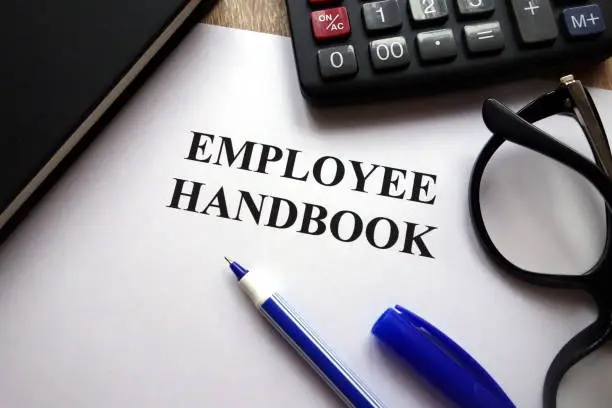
x: 308, y: 344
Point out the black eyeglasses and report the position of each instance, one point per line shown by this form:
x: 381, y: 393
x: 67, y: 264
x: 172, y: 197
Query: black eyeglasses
x: 571, y: 99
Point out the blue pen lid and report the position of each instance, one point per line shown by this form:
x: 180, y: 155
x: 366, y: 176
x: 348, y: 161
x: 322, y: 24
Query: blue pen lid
x: 439, y: 360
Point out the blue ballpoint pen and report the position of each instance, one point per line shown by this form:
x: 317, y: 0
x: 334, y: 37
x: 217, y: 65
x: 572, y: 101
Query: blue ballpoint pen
x: 310, y: 346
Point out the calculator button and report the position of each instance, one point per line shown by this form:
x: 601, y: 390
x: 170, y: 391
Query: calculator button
x: 381, y: 15
x: 336, y: 62
x: 437, y: 45
x: 427, y: 10
x: 475, y: 7
x: 535, y: 20
x: 323, y: 2
x: 330, y: 23
x: 389, y: 53
x: 485, y: 37
x: 584, y: 20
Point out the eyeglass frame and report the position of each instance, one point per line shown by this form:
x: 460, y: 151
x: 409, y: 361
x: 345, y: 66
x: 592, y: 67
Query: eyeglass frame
x: 571, y: 98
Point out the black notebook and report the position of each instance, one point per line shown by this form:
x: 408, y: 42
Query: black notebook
x: 65, y: 67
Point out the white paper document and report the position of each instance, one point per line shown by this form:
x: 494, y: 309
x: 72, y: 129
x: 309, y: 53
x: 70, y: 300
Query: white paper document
x: 114, y: 291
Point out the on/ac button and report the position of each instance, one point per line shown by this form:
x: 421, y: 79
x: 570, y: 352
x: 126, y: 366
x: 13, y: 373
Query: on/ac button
x: 330, y: 23
x: 322, y: 2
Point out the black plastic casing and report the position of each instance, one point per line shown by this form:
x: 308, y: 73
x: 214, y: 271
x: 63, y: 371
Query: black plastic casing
x: 514, y: 62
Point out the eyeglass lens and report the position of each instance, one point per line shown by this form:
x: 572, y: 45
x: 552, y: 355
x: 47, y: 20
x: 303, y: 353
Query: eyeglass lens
x: 541, y: 215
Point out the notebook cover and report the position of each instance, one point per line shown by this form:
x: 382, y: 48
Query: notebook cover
x: 62, y: 63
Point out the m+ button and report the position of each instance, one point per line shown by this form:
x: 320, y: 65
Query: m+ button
x: 584, y: 20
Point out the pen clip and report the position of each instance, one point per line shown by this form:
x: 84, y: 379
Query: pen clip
x: 453, y: 351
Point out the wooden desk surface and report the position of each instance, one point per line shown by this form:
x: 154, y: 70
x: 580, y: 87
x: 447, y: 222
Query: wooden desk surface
x: 270, y: 16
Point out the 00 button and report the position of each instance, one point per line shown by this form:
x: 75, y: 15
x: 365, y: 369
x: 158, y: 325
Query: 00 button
x: 389, y: 53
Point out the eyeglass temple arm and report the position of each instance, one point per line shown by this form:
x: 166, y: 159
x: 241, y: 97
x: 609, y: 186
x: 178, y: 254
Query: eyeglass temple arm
x: 585, y: 112
x: 591, y: 124
x: 505, y: 123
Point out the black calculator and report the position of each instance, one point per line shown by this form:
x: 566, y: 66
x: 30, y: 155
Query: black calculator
x: 350, y: 51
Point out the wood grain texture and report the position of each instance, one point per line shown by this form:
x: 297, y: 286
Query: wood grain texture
x: 600, y: 76
x: 270, y: 16
x: 267, y: 16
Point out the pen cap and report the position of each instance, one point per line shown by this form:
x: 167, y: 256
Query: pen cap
x: 439, y: 360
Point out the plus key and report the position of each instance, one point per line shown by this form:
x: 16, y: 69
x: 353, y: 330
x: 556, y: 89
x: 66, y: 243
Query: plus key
x: 536, y: 21
x: 330, y: 23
